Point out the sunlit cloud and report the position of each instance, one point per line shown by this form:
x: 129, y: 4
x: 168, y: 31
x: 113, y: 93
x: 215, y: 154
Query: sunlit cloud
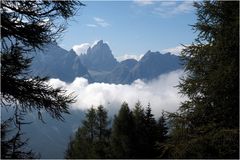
x: 175, y: 50
x: 98, y: 22
x: 129, y: 56
x: 143, y: 2
x: 168, y: 3
x: 169, y: 9
x: 161, y: 93
x: 101, y: 22
x: 91, y: 25
x: 81, y: 49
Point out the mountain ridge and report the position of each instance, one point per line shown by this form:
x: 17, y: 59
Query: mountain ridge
x: 55, y: 62
x: 99, y: 64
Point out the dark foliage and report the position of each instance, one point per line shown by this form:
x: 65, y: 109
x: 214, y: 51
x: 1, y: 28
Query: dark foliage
x: 134, y: 134
x: 122, y: 136
x: 207, y: 125
x: 162, y: 136
x: 28, y: 25
x: 25, y: 26
x: 33, y: 23
x: 92, y: 138
x: 12, y: 144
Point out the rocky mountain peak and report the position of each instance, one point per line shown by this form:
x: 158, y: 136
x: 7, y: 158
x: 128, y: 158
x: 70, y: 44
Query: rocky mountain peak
x: 99, y: 57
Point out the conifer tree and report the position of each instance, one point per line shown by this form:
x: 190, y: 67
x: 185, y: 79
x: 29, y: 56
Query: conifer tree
x: 92, y: 138
x: 207, y: 125
x: 90, y: 124
x: 103, y: 133
x: 82, y: 145
x: 151, y: 133
x: 102, y: 123
x: 26, y: 26
x: 12, y: 145
x: 162, y: 128
x: 140, y: 134
x: 134, y: 133
x: 162, y: 131
x: 122, y: 133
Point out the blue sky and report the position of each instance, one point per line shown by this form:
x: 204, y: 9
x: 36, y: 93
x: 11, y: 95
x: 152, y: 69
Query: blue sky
x: 132, y: 27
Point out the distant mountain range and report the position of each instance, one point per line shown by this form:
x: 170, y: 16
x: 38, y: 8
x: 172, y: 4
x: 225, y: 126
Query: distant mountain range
x: 55, y: 62
x: 99, y: 64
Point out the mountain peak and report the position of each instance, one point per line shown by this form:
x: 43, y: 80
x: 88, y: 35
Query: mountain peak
x: 99, y: 57
x: 100, y: 42
x: 150, y: 53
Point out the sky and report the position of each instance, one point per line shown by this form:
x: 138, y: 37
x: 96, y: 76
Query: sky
x: 132, y: 27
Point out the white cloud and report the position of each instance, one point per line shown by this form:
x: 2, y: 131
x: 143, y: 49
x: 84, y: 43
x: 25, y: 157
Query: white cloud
x: 91, y: 25
x: 81, y: 49
x: 174, y: 50
x: 101, y: 22
x: 184, y: 7
x: 168, y: 3
x: 168, y: 9
x: 129, y: 56
x: 160, y: 92
x: 143, y: 2
x: 98, y: 22
x: 97, y: 19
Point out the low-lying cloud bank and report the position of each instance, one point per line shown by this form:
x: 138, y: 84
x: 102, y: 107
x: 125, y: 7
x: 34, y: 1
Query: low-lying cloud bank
x: 161, y: 93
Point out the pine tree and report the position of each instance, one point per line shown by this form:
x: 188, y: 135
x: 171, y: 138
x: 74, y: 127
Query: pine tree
x: 134, y: 133
x: 12, y: 145
x: 162, y: 128
x: 162, y: 131
x: 207, y: 125
x: 92, y: 138
x: 102, y: 121
x: 150, y: 127
x: 81, y: 146
x: 140, y: 134
x: 90, y: 124
x: 122, y: 133
x: 103, y: 133
x: 26, y: 26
